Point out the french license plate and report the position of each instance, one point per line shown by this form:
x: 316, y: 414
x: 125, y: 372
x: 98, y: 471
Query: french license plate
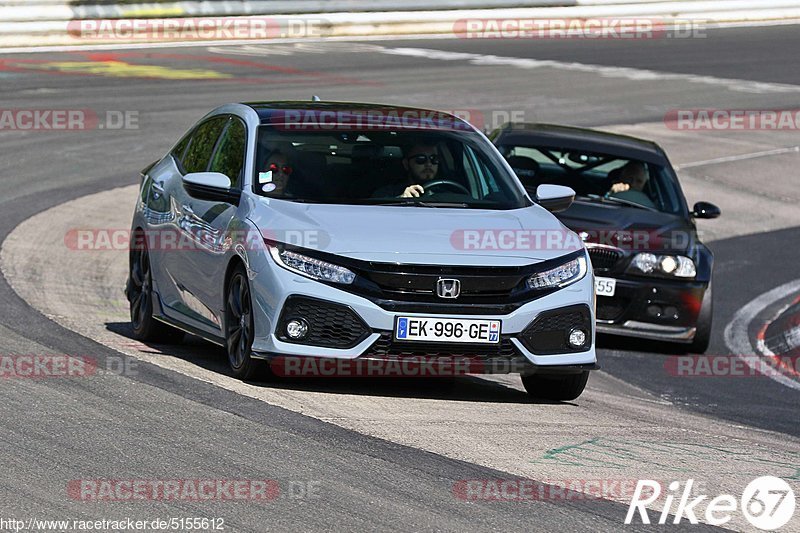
x: 420, y: 328
x: 605, y: 286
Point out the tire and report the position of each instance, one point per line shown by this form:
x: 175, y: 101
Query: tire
x: 239, y: 327
x: 704, y: 321
x: 556, y: 388
x: 140, y: 295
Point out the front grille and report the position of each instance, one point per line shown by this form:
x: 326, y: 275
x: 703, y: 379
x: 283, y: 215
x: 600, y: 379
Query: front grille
x: 439, y: 308
x: 406, y: 282
x: 329, y: 325
x: 549, y: 332
x: 387, y: 346
x: 604, y: 259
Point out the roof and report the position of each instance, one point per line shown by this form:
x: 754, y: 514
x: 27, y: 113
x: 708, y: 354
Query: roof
x: 355, y: 114
x: 555, y: 136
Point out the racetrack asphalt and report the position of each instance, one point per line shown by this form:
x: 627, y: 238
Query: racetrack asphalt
x: 382, y: 472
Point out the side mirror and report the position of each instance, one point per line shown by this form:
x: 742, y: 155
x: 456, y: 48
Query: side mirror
x: 705, y: 210
x: 211, y: 186
x: 554, y: 198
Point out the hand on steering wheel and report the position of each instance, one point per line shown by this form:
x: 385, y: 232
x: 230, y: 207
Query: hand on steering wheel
x: 435, y: 184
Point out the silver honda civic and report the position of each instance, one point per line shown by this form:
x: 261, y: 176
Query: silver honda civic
x: 364, y: 237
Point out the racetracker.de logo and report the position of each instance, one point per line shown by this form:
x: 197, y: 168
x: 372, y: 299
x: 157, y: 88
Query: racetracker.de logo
x: 197, y: 29
x: 489, y: 239
x: 733, y: 119
x: 37, y: 366
x: 523, y: 490
x: 358, y: 119
x: 567, y: 240
x: 407, y: 367
x: 126, y: 490
x: 191, y: 239
x: 732, y: 366
x: 67, y: 120
x: 630, y: 28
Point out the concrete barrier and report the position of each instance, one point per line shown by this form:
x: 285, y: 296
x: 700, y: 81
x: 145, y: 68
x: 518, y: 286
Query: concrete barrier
x: 50, y: 22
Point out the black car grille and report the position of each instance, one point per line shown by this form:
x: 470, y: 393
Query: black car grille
x: 418, y: 282
x: 549, y: 332
x: 330, y: 325
x: 604, y: 259
x: 386, y: 346
x: 484, y: 290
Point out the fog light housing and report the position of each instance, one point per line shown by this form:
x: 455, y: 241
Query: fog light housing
x: 577, y: 338
x: 296, y: 329
x: 655, y: 311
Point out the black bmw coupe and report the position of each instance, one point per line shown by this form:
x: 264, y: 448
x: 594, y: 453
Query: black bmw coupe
x: 653, y: 274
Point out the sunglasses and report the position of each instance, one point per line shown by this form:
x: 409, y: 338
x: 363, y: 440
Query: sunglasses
x: 286, y: 169
x: 422, y: 158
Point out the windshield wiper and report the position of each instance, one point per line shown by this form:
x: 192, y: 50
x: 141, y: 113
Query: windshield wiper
x: 420, y: 203
x: 378, y: 201
x: 615, y: 200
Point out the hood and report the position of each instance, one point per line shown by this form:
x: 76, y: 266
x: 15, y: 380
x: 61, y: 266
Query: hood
x: 404, y: 234
x: 628, y: 227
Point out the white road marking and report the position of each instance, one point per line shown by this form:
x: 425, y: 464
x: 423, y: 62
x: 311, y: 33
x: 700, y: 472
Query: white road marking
x: 635, y: 74
x: 737, y: 336
x: 288, y: 49
x: 741, y: 157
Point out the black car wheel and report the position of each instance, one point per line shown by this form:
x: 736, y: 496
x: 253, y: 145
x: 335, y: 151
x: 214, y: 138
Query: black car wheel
x: 556, y: 388
x: 140, y: 295
x: 239, y: 327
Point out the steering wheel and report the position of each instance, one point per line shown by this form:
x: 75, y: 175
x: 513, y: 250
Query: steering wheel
x: 435, y: 184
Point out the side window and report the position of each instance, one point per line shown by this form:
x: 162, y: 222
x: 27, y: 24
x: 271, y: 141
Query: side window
x: 229, y: 156
x: 202, y: 145
x: 180, y: 149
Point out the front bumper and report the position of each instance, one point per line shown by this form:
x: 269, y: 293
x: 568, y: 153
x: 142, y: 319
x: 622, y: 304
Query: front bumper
x: 655, y: 309
x: 272, y: 286
x: 644, y: 330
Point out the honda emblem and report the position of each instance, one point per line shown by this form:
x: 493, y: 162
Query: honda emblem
x: 448, y: 288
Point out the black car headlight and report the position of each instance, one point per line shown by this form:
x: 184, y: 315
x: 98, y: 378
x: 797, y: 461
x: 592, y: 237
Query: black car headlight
x: 677, y: 266
x: 311, y: 267
x: 565, y: 274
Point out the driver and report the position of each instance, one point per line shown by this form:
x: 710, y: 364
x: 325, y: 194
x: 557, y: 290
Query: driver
x: 632, y: 178
x: 421, y: 162
x: 632, y: 181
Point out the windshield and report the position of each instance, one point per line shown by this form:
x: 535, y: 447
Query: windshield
x: 598, y: 177
x: 393, y: 167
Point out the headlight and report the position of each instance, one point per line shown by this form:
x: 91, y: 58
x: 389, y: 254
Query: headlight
x: 312, y: 268
x: 560, y: 276
x: 664, y: 265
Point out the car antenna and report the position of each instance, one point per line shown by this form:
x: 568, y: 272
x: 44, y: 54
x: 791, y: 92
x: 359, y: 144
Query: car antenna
x: 316, y: 98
